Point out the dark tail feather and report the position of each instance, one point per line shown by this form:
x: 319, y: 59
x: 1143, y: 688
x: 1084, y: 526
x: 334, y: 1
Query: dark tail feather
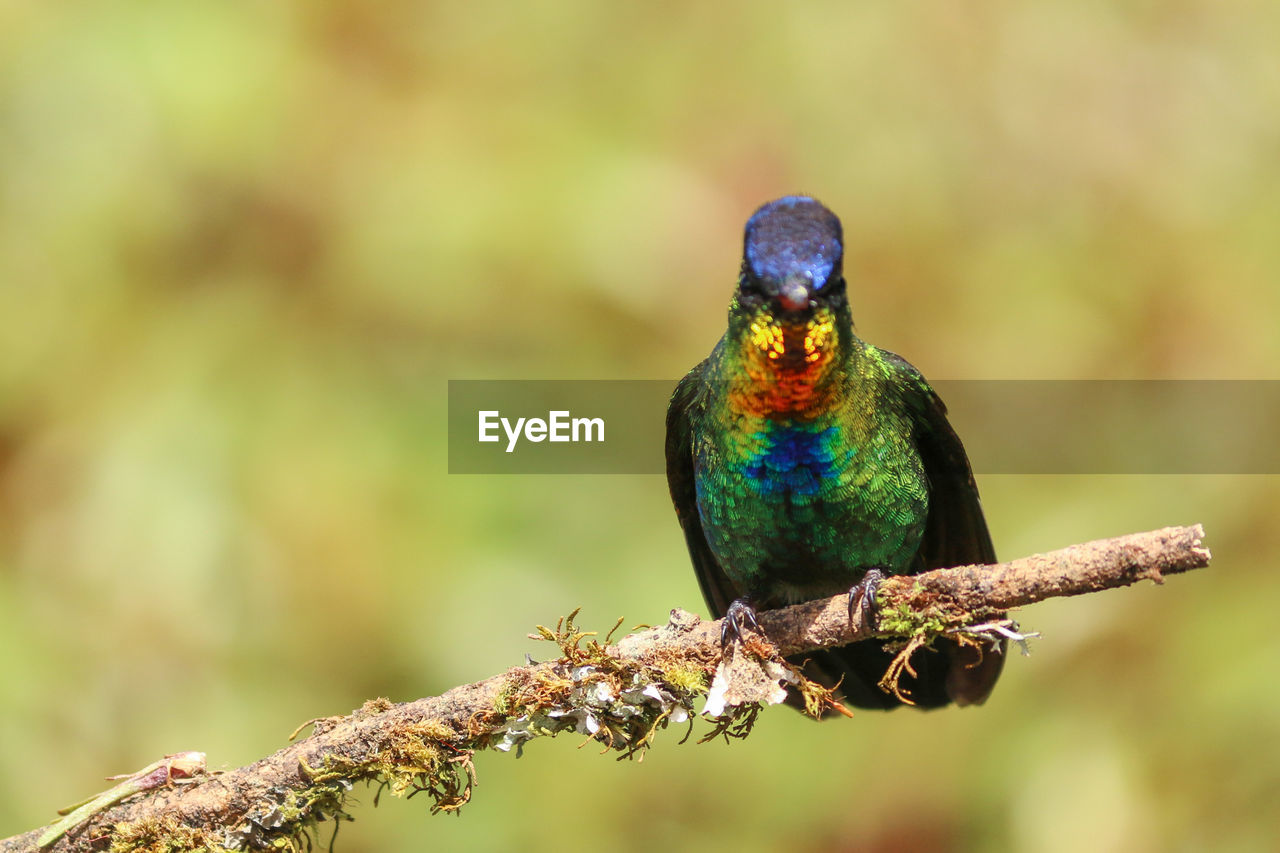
x: 972, y: 671
x: 949, y: 673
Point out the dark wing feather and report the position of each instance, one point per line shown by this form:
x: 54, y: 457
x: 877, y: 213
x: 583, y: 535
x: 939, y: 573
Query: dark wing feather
x: 686, y: 405
x: 955, y: 532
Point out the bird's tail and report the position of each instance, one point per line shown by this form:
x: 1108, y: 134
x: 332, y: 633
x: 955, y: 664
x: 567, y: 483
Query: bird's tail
x: 950, y: 672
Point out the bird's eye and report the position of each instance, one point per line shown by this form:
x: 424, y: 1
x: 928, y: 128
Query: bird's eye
x: 749, y: 288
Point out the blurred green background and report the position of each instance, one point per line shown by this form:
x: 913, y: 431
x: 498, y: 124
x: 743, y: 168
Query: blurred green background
x: 243, y: 246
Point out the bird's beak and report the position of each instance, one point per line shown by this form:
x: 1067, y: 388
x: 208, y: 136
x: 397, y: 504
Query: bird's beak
x: 794, y: 294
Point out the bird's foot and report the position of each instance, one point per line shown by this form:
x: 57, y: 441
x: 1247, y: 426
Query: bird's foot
x: 739, y: 615
x: 862, y: 596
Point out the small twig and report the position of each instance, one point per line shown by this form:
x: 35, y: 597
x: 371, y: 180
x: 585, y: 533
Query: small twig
x: 181, y: 766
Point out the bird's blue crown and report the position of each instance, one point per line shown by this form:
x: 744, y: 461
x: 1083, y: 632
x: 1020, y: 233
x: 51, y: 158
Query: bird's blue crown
x: 794, y: 235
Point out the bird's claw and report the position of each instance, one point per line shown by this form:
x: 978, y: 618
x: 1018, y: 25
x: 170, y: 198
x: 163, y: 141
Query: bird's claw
x: 739, y: 614
x: 862, y: 596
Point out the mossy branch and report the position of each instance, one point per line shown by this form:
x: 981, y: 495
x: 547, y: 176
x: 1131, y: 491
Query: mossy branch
x: 619, y: 695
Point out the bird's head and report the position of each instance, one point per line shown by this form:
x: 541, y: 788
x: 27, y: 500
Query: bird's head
x: 791, y: 291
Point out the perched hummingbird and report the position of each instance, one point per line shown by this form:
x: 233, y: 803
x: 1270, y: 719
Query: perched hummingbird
x: 804, y: 462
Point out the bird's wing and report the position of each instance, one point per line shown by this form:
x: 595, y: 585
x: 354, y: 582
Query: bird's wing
x: 955, y: 531
x: 686, y: 400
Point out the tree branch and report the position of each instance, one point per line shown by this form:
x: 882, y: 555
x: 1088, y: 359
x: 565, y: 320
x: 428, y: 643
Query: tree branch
x: 620, y: 695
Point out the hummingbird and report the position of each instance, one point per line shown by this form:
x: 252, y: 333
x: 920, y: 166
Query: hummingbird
x: 804, y: 462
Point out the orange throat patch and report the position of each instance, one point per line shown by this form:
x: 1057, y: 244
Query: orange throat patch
x: 784, y: 366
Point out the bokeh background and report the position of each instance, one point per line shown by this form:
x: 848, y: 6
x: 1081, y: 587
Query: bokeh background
x: 243, y: 247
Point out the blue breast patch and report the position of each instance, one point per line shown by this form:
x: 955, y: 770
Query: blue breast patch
x: 795, y: 461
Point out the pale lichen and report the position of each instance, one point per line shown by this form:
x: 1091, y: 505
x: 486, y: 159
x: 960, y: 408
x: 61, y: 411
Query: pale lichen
x: 289, y: 816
